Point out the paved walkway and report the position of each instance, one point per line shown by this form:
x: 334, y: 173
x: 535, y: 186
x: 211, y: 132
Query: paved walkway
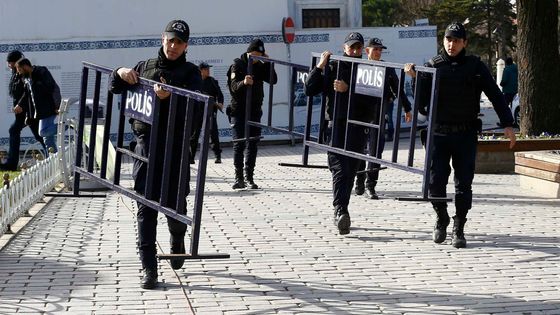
x: 78, y: 255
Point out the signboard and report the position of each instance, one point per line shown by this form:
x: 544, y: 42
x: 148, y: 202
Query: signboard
x: 370, y: 80
x: 140, y: 101
x: 288, y: 30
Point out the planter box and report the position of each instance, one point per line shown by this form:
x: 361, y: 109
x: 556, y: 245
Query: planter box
x: 495, y: 156
x: 540, y: 171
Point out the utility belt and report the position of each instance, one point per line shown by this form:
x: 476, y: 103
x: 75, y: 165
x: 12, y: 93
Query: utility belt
x: 458, y: 127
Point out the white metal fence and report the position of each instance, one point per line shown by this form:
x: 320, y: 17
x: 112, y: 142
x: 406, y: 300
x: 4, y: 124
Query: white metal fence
x: 17, y: 197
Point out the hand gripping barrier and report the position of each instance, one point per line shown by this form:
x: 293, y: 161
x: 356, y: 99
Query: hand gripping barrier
x: 161, y: 161
x: 359, y: 67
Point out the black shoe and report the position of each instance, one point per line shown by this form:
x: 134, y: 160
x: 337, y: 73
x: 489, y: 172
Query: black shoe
x: 192, y: 161
x: 252, y: 184
x: 239, y: 184
x: 149, y: 280
x: 440, y: 229
x: 372, y: 194
x: 459, y: 240
x: 218, y: 160
x: 177, y: 248
x: 342, y: 221
x: 360, y: 188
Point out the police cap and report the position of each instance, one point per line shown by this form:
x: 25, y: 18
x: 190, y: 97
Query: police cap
x: 177, y: 29
x: 456, y: 30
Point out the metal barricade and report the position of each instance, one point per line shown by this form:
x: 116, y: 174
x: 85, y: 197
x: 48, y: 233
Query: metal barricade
x: 136, y: 103
x: 296, y: 73
x: 368, y: 68
x: 359, y: 84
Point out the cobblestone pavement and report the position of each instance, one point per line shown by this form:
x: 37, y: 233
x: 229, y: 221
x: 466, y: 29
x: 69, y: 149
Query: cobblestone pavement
x: 78, y: 255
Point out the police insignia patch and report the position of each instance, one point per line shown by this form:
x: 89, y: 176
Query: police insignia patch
x: 232, y: 75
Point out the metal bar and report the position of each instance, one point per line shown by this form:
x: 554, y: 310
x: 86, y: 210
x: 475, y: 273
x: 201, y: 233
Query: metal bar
x: 134, y: 195
x: 414, y: 124
x: 106, y: 134
x: 81, y: 122
x: 396, y: 137
x: 270, y: 92
x: 120, y: 141
x: 190, y: 256
x: 248, y: 97
x: 302, y: 165
x: 168, y: 156
x: 153, y: 153
x: 132, y: 154
x: 365, y: 157
x: 291, y: 103
x: 200, y: 179
x: 432, y: 116
x: 184, y: 167
x: 93, y: 128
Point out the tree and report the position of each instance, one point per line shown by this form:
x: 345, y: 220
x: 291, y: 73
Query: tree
x: 539, y: 66
x: 490, y: 24
x: 379, y: 12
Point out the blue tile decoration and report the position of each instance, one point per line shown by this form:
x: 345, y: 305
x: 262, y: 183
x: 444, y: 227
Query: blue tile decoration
x: 155, y: 42
x: 417, y: 33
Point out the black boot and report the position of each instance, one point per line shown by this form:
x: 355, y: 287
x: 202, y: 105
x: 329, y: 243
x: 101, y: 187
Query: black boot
x: 360, y: 187
x: 149, y: 280
x: 249, y: 178
x: 177, y: 247
x: 239, y: 182
x: 218, y: 158
x: 372, y: 194
x: 440, y: 229
x: 459, y: 240
x: 342, y: 220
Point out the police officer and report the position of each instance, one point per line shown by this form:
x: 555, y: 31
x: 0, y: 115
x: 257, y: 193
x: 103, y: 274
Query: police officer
x: 333, y: 79
x: 238, y: 80
x: 169, y: 67
x: 462, y: 78
x: 374, y: 50
x: 210, y: 86
x: 20, y: 108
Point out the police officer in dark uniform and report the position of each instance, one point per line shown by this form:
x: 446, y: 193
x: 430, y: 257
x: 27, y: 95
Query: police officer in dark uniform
x: 462, y: 79
x: 210, y: 86
x: 170, y: 67
x: 374, y: 50
x: 238, y: 80
x: 334, y: 82
x: 20, y: 108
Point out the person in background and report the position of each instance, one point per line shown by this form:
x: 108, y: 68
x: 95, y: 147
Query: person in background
x: 238, y: 81
x: 210, y: 86
x: 20, y: 107
x: 43, y: 98
x: 509, y: 81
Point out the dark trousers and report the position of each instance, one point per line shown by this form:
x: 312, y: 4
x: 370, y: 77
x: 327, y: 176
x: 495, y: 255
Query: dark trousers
x: 343, y: 168
x: 15, y: 138
x: 146, y: 216
x: 214, y: 137
x: 509, y: 98
x: 460, y: 149
x: 370, y: 178
x: 238, y: 132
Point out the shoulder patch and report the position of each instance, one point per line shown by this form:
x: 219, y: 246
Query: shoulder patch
x: 436, y: 60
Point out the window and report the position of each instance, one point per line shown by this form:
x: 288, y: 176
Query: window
x: 317, y: 18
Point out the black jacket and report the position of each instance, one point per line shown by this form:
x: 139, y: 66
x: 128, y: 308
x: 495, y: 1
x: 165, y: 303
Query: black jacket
x: 236, y: 74
x: 17, y: 90
x: 39, y: 89
x: 462, y: 80
x: 210, y: 86
x: 179, y: 73
x: 317, y: 83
